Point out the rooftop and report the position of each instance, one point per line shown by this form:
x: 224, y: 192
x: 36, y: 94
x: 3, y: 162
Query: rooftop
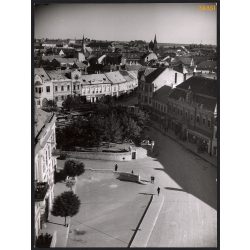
x: 162, y: 94
x: 42, y: 73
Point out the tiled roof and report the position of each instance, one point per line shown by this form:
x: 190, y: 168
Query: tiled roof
x: 115, y: 77
x: 126, y: 75
x: 207, y: 65
x: 57, y: 75
x: 94, y: 79
x: 149, y: 70
x: 41, y: 118
x: 153, y: 75
x: 134, y: 67
x: 42, y: 73
x: 50, y: 57
x: 66, y: 60
x: 200, y: 85
x: 162, y: 94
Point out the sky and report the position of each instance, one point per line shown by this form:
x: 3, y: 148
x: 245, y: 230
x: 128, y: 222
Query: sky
x: 171, y: 22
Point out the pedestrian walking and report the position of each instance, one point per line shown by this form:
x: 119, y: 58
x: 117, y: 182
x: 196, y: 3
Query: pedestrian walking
x: 116, y: 167
x: 158, y: 190
x: 152, y: 179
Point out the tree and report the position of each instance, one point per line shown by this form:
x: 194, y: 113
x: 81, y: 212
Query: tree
x: 73, y: 168
x: 112, y: 131
x: 44, y: 240
x: 66, y: 204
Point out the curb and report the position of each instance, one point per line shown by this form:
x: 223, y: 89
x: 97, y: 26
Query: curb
x: 147, y: 225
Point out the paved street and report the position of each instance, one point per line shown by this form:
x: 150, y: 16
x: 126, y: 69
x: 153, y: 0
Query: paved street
x: 189, y: 216
x: 111, y: 209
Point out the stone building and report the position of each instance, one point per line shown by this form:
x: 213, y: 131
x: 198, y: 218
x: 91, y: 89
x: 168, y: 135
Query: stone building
x: 191, y: 112
x: 44, y: 166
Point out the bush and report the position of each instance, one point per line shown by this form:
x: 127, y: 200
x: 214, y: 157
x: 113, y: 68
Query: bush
x: 73, y: 168
x: 59, y: 176
x: 44, y: 240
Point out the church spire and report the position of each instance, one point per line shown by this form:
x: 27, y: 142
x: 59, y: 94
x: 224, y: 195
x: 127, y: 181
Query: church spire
x: 155, y: 43
x: 83, y: 45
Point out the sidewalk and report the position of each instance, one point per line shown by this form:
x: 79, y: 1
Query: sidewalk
x: 189, y: 146
x: 56, y: 223
x: 143, y: 234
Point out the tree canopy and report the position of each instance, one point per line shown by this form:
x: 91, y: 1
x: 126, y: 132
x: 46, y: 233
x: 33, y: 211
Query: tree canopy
x: 66, y: 204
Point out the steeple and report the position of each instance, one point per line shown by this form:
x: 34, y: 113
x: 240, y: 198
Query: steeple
x: 83, y: 45
x: 155, y: 43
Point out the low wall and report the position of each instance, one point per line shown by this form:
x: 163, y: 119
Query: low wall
x: 127, y: 156
x: 129, y: 177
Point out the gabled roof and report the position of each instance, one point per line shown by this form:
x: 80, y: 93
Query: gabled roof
x: 115, y: 77
x: 153, y: 75
x: 42, y: 73
x: 200, y: 85
x: 41, y: 118
x: 162, y: 94
x: 94, y: 79
x: 57, y: 75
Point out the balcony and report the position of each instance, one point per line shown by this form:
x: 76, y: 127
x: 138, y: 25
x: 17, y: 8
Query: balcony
x: 41, y: 189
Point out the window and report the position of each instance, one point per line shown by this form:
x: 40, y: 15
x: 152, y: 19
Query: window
x: 74, y: 87
x: 39, y: 90
x: 186, y: 114
x: 68, y: 87
x: 198, y: 119
x: 38, y: 102
x: 204, y: 121
x: 181, y: 112
x: 191, y: 117
x: 48, y: 89
x: 56, y: 88
x: 62, y: 97
x: 36, y: 90
x: 78, y: 87
x: 62, y: 88
x: 209, y: 123
x: 175, y: 78
x: 56, y: 98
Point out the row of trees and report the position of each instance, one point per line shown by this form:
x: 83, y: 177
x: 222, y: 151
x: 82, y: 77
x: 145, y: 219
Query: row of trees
x: 108, y: 123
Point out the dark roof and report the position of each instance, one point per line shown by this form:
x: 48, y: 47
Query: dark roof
x: 200, y: 85
x: 153, y: 75
x: 204, y: 90
x: 209, y: 65
x: 162, y: 94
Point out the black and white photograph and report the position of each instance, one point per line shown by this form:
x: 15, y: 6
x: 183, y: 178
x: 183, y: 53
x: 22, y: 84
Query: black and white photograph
x: 125, y: 103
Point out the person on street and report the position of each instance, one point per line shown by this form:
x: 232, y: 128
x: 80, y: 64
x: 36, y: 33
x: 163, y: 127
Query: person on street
x: 116, y: 167
x: 152, y: 179
x: 158, y: 190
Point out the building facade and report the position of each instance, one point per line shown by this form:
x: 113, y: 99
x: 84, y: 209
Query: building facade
x: 154, y: 81
x: 45, y: 164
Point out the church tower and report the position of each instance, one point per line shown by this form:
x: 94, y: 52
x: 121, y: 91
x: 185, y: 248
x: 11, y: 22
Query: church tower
x: 83, y: 45
x: 155, y: 44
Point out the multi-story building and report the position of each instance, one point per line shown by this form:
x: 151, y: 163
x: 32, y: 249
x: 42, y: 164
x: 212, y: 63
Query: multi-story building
x: 43, y: 87
x: 192, y: 112
x: 57, y: 85
x: 62, y: 86
x: 45, y: 165
x: 95, y: 86
x: 154, y: 81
